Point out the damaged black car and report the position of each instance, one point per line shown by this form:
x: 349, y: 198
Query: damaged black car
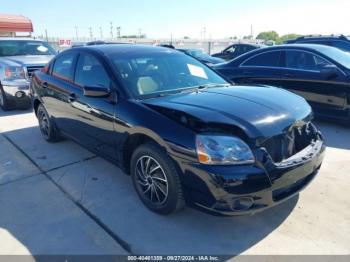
x: 183, y: 132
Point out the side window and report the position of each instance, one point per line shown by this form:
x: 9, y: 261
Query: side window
x: 90, y: 72
x: 63, y: 67
x: 239, y: 49
x: 304, y: 61
x: 342, y: 45
x: 231, y: 49
x: 271, y: 59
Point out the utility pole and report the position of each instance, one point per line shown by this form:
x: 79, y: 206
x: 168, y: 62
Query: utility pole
x: 90, y: 30
x: 118, y: 32
x: 204, y: 32
x: 76, y: 32
x: 251, y: 31
x: 140, y: 32
x: 101, y: 33
x: 111, y: 29
x: 47, y: 38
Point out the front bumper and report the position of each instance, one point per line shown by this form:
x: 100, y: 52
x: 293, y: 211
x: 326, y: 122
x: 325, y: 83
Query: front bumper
x: 17, y: 94
x: 239, y: 190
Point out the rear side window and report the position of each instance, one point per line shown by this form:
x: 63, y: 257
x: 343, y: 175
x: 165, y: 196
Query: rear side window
x: 63, y: 67
x: 304, y: 61
x: 271, y: 59
x: 90, y: 72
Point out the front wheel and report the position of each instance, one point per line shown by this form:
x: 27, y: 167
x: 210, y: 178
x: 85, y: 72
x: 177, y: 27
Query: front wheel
x: 3, y: 100
x: 156, y: 179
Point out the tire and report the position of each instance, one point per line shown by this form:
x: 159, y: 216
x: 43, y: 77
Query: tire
x: 160, y: 190
x: 47, y: 127
x: 4, y: 104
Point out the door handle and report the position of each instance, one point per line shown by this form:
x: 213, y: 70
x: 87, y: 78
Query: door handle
x: 247, y: 73
x: 72, y: 97
x: 288, y: 75
x: 45, y: 85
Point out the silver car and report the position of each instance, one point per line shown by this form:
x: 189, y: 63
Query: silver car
x: 19, y: 58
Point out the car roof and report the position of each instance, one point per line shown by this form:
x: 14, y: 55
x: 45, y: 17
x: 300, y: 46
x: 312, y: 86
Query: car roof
x: 313, y: 47
x: 250, y: 44
x: 307, y: 47
x: 312, y: 37
x: 126, y: 48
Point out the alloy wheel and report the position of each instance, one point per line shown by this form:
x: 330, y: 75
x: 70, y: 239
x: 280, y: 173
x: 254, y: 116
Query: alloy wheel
x: 44, y: 123
x: 151, y: 180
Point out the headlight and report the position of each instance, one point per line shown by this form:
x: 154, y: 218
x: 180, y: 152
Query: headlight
x: 223, y: 150
x: 14, y: 72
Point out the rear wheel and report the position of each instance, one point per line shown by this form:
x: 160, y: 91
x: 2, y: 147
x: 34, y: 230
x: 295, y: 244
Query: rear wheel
x: 46, y: 125
x: 156, y: 179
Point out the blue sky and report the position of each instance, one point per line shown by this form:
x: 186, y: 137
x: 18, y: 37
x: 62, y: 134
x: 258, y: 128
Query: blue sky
x: 160, y: 19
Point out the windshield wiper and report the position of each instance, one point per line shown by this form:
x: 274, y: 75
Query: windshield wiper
x: 204, y: 86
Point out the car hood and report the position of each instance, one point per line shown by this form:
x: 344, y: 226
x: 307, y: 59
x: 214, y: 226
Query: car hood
x: 260, y: 111
x: 28, y: 60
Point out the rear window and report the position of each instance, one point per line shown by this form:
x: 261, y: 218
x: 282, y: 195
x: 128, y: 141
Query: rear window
x: 271, y: 59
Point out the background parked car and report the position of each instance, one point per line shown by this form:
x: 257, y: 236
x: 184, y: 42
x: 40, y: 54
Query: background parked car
x: 202, y: 56
x: 236, y: 50
x: 341, y: 41
x: 321, y: 74
x: 19, y: 58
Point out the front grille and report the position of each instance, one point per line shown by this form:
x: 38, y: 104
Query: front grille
x: 294, y: 140
x: 32, y: 69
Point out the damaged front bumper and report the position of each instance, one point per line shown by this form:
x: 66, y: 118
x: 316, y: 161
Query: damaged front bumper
x: 247, y: 189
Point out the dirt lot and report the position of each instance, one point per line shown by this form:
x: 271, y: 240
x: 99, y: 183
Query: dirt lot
x: 62, y: 199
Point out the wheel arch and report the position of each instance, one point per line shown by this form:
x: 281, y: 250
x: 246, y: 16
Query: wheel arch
x: 137, y: 138
x: 36, y: 104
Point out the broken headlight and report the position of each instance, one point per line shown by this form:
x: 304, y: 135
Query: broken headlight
x: 223, y: 150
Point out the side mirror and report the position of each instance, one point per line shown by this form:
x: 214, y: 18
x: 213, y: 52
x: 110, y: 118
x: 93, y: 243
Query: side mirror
x: 329, y: 70
x: 96, y: 91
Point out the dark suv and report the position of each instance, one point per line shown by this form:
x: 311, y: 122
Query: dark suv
x: 341, y: 41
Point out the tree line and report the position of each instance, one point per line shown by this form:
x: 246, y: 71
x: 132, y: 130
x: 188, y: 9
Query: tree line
x: 274, y: 36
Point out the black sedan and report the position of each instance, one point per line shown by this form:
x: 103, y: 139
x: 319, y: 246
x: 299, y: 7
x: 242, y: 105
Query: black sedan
x: 321, y: 74
x: 201, y: 56
x: 236, y: 50
x: 181, y: 130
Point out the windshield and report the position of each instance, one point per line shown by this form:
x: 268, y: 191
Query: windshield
x: 24, y: 47
x: 160, y: 73
x: 338, y: 55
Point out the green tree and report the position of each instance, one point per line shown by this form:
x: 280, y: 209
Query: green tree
x: 269, y: 35
x: 284, y: 38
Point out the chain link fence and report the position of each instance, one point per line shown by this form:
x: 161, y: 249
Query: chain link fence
x: 208, y: 46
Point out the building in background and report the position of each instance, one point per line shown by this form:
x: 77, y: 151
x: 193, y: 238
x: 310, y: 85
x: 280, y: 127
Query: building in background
x: 15, y: 25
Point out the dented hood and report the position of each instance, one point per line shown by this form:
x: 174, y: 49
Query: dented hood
x: 260, y: 111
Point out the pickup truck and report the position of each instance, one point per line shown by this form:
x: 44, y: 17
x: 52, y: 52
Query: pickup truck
x: 19, y: 58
